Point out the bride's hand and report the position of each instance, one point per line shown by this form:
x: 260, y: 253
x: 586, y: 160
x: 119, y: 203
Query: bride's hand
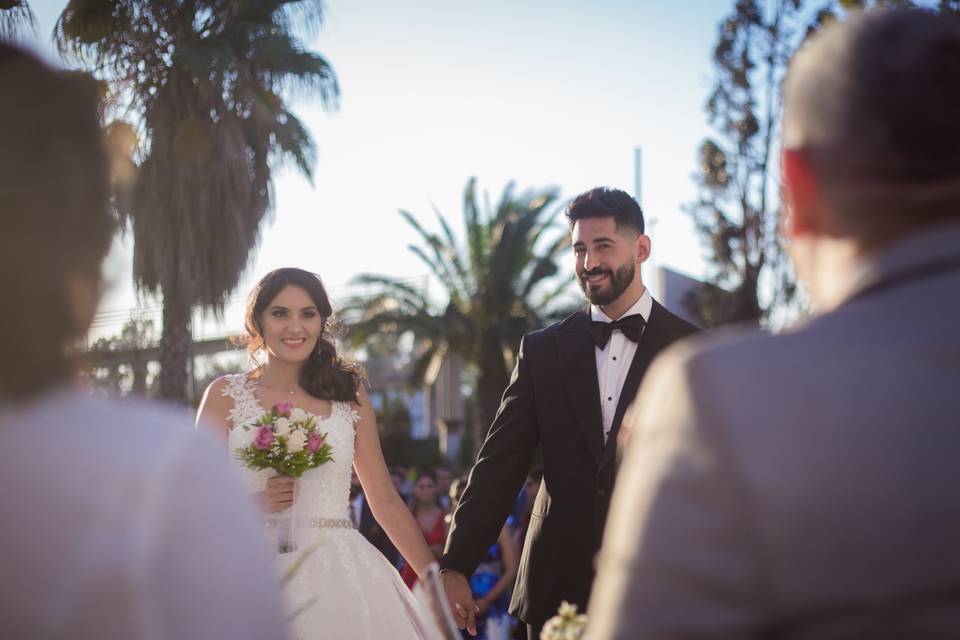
x: 278, y: 495
x: 460, y: 599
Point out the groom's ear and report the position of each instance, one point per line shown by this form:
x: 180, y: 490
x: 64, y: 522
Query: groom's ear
x: 642, y: 248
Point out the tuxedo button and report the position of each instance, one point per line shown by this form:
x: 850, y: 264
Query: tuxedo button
x: 601, y: 493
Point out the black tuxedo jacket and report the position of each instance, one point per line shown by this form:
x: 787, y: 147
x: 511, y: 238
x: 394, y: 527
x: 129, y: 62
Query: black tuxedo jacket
x: 553, y: 400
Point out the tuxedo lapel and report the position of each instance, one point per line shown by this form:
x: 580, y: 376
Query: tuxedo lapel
x: 654, y: 339
x: 578, y: 367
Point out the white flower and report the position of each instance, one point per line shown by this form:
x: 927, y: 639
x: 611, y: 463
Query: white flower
x: 282, y: 427
x: 296, y: 442
x: 298, y: 414
x: 566, y: 625
x: 551, y: 629
x: 245, y: 436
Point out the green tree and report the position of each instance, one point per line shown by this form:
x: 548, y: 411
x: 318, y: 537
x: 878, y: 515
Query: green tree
x: 203, y: 83
x: 737, y: 212
x: 495, y: 285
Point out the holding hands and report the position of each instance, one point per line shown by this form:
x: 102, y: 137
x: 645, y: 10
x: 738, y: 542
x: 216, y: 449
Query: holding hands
x: 461, y: 601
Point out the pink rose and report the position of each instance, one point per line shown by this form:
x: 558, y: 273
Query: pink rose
x: 283, y: 409
x: 264, y: 438
x: 314, y: 442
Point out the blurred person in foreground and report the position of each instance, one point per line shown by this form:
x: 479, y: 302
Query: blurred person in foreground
x: 118, y: 520
x: 801, y: 485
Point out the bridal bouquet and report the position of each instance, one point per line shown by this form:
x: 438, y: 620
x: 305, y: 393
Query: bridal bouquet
x: 566, y: 625
x: 287, y: 440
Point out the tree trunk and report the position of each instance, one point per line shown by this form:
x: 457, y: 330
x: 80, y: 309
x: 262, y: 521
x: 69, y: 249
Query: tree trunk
x: 139, y: 368
x: 175, y: 346
x: 491, y: 382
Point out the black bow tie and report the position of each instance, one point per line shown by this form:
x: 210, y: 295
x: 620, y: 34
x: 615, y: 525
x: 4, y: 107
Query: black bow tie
x: 631, y: 326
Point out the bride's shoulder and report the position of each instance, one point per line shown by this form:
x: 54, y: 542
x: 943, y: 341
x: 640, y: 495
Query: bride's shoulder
x: 222, y: 395
x: 360, y: 406
x: 231, y: 385
x: 224, y: 398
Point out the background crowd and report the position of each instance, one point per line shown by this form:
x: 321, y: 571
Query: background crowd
x: 433, y: 494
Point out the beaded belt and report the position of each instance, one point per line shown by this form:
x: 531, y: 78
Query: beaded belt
x: 331, y: 523
x: 318, y: 523
x: 284, y: 546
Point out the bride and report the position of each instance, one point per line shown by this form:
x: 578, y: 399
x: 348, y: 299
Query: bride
x: 341, y: 586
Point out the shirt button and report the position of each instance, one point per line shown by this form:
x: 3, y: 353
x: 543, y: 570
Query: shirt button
x: 609, y: 399
x: 614, y: 357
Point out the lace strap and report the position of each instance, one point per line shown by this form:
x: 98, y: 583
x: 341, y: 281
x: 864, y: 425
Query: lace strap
x: 346, y: 411
x: 245, y: 406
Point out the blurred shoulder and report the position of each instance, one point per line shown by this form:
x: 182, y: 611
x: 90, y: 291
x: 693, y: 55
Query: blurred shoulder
x: 727, y: 347
x: 744, y: 360
x: 137, y: 431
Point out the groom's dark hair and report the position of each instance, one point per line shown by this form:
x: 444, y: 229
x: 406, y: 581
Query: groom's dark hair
x: 55, y: 218
x: 604, y: 202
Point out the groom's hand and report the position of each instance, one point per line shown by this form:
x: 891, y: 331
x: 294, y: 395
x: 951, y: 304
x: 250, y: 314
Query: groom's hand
x: 461, y: 600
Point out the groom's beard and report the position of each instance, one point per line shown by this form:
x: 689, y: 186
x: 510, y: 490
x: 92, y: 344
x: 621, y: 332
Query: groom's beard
x: 617, y: 283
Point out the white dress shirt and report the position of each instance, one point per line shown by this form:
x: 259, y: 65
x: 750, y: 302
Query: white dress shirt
x: 121, y: 521
x: 613, y: 361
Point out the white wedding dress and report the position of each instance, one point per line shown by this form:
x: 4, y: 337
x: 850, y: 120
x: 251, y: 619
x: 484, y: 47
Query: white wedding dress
x: 344, y: 588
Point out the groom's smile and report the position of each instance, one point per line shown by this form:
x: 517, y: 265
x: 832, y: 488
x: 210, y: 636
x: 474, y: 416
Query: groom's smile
x: 596, y: 279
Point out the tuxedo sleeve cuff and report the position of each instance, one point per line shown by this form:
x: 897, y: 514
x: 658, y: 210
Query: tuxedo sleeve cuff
x: 449, y: 564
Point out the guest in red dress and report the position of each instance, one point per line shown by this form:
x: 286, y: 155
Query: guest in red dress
x: 430, y: 515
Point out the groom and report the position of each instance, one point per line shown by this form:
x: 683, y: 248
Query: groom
x: 568, y: 393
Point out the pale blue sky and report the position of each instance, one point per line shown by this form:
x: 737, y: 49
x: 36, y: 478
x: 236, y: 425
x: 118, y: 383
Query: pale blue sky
x: 433, y: 92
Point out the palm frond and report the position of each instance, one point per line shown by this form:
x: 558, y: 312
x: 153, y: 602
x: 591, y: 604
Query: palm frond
x: 477, y: 233
x: 294, y: 142
x: 423, y: 326
x: 453, y: 253
x: 440, y: 263
x: 16, y: 17
x: 392, y: 285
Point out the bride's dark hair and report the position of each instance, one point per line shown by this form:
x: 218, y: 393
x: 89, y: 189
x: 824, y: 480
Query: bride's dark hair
x: 324, y: 375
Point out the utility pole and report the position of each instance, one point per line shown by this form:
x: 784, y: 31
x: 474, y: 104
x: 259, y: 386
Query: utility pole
x: 651, y: 276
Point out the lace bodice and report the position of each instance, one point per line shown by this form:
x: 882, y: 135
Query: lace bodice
x: 322, y: 493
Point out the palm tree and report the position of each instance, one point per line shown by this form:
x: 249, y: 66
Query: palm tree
x: 494, y: 288
x: 14, y: 16
x: 205, y: 81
